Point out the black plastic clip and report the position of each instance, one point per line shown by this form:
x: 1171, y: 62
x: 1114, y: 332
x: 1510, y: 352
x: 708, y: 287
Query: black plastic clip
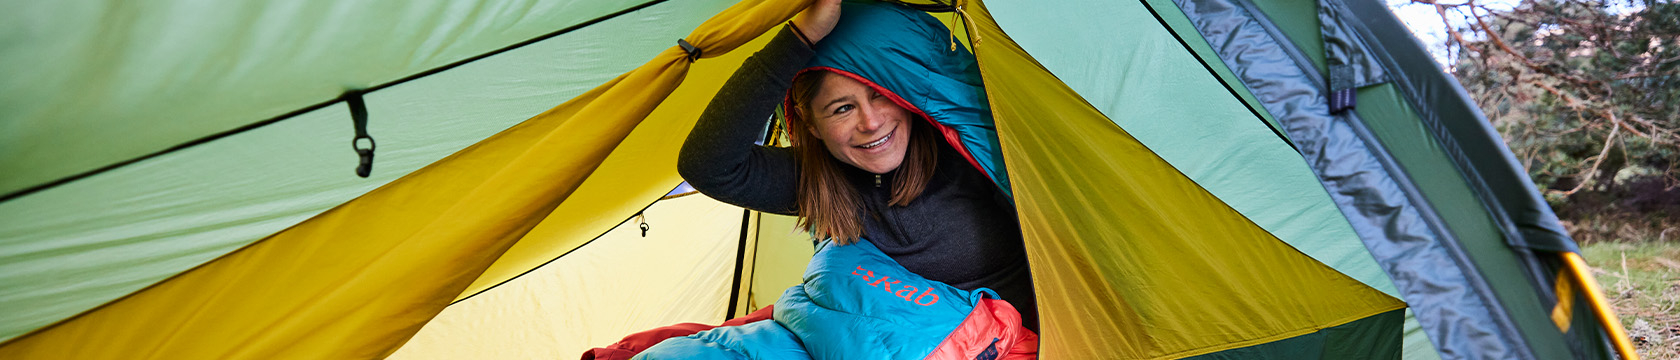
x: 359, y: 115
x: 693, y: 51
x: 641, y: 217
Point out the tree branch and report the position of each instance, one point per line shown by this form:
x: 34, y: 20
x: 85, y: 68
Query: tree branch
x: 1587, y: 176
x: 1457, y: 37
x: 1576, y: 104
x: 1500, y: 43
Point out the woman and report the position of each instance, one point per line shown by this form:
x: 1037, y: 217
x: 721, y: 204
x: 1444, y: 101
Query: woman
x: 865, y: 163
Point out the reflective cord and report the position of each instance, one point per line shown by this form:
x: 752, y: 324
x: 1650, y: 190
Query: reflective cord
x: 967, y: 23
x: 953, y: 29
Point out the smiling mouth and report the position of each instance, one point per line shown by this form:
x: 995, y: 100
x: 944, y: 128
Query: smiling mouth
x: 877, y: 143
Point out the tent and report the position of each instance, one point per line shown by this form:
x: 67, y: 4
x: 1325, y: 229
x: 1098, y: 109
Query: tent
x: 1195, y: 178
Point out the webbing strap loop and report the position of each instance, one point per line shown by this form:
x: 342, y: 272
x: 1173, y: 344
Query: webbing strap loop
x: 1343, y: 99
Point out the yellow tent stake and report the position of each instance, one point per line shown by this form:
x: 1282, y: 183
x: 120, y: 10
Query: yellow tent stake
x: 1595, y: 296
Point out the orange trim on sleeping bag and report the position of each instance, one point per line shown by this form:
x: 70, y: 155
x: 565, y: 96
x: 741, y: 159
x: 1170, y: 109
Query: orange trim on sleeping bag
x: 991, y: 332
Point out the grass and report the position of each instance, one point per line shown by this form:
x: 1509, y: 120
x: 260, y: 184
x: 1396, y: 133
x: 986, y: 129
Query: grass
x: 1642, y: 281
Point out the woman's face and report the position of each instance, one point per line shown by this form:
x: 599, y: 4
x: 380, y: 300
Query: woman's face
x: 860, y: 127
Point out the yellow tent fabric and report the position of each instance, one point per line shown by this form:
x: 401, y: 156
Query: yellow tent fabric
x: 639, y: 171
x: 1130, y: 258
x: 619, y: 284
x: 779, y: 258
x: 359, y: 280
x: 623, y: 282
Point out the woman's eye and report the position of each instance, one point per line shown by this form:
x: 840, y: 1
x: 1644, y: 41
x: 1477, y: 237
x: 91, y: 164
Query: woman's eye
x: 873, y: 94
x: 843, y: 108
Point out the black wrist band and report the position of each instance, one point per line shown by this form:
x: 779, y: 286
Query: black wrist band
x: 801, y: 35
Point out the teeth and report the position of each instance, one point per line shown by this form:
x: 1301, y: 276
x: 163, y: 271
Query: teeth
x: 877, y: 142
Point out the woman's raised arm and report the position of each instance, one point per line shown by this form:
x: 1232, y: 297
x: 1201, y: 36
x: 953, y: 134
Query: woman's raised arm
x: 720, y: 157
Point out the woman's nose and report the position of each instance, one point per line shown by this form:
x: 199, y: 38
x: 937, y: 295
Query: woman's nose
x: 873, y: 118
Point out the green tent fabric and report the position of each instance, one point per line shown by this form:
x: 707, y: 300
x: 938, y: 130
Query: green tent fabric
x: 206, y: 68
x: 150, y: 139
x: 1244, y: 151
x: 183, y: 208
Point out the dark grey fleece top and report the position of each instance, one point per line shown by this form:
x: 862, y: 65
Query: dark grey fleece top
x: 962, y: 230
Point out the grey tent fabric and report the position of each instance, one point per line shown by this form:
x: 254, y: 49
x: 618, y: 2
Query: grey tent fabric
x: 1349, y: 58
x: 1463, y: 131
x: 1390, y: 215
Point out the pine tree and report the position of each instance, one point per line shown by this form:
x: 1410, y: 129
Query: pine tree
x: 1586, y: 93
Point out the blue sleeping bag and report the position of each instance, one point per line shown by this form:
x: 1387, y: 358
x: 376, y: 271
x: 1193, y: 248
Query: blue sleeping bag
x: 855, y: 303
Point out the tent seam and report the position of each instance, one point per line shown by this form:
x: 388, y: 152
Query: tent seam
x: 311, y: 108
x: 1205, y: 66
x: 1278, y: 337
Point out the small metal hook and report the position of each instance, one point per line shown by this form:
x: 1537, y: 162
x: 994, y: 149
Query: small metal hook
x: 641, y: 217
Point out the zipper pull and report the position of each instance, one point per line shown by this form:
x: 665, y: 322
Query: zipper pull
x: 877, y: 180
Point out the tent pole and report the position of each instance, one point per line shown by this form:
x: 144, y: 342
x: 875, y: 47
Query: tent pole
x: 1606, y: 317
x: 740, y: 262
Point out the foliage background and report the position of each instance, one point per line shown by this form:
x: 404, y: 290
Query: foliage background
x: 1587, y: 94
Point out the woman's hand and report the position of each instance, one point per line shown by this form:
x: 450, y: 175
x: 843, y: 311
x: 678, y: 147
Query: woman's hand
x: 818, y: 19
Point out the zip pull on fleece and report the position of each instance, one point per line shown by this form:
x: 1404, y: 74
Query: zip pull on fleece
x: 877, y: 180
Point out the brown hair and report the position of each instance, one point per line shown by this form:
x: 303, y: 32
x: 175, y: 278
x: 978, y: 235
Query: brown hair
x: 828, y: 206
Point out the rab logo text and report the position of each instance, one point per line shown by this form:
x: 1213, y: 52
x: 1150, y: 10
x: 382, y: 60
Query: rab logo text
x: 887, y: 283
